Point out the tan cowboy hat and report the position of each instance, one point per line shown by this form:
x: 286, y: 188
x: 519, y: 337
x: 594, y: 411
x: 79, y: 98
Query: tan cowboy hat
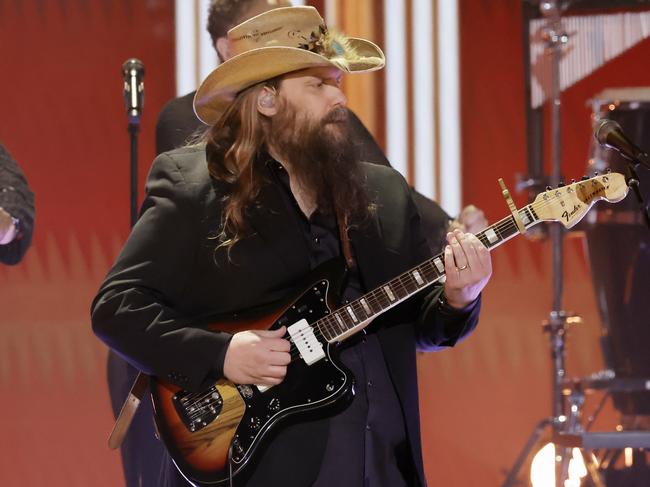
x: 277, y: 42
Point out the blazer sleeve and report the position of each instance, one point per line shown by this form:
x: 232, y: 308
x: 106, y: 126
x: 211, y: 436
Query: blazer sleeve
x: 437, y: 325
x: 136, y: 309
x: 18, y: 200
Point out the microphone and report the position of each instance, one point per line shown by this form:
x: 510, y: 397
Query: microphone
x: 608, y: 133
x: 133, y: 73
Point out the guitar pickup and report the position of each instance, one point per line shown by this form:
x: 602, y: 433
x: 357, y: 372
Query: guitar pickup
x: 197, y: 410
x: 303, y: 337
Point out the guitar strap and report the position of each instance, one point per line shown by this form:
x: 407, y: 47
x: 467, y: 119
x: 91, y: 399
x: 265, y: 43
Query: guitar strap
x: 130, y: 406
x: 342, y: 222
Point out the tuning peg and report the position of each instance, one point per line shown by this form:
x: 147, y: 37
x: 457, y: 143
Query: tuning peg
x: 584, y: 178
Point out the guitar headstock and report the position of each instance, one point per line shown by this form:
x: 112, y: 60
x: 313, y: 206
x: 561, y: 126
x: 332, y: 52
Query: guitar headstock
x: 569, y: 204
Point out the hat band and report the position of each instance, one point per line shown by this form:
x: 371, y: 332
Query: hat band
x: 280, y: 37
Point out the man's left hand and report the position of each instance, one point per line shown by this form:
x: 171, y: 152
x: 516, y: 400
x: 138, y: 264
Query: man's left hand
x: 468, y: 266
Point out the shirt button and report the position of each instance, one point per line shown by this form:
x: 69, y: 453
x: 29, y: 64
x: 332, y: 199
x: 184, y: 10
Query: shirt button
x: 369, y: 383
x: 367, y: 427
x: 316, y: 240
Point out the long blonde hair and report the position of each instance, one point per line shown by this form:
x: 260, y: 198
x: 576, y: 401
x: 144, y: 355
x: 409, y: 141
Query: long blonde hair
x: 232, y: 147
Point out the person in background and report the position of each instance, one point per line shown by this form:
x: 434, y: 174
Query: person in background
x: 16, y: 210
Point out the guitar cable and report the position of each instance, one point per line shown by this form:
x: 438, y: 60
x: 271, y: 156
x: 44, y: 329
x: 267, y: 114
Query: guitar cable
x: 230, y: 466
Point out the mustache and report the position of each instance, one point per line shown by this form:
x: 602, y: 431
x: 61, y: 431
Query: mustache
x: 336, y: 115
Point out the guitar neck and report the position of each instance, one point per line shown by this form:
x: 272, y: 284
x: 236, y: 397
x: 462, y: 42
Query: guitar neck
x: 356, y: 315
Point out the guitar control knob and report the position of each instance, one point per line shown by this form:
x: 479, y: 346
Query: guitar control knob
x: 237, y: 448
x: 548, y: 188
x: 560, y: 184
x: 584, y: 178
x: 246, y: 391
x: 274, y: 404
x: 255, y: 423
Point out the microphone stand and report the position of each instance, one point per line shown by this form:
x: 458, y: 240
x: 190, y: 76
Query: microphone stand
x: 632, y: 179
x: 133, y: 73
x: 134, y: 130
x: 119, y: 373
x: 556, y: 38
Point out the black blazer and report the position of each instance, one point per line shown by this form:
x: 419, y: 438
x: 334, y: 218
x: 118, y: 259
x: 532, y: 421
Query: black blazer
x: 168, y: 279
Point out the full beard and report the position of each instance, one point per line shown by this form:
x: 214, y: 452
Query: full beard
x: 324, y: 158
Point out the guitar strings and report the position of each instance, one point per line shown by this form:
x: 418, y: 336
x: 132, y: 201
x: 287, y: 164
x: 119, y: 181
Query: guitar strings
x: 400, y: 283
x: 508, y: 223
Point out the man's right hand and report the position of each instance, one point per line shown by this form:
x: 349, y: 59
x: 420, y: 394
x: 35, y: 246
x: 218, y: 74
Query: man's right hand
x: 257, y: 357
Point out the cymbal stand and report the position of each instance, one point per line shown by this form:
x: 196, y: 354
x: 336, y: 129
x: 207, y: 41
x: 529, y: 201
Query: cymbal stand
x: 556, y: 38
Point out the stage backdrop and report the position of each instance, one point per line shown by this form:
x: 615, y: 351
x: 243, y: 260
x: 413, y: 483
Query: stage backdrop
x: 62, y: 116
x: 63, y: 119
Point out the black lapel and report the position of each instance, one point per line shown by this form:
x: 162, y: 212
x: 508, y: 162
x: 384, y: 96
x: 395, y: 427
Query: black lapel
x: 369, y: 252
x: 278, y: 229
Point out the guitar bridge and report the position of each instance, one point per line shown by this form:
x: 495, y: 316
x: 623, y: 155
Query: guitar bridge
x: 198, y: 409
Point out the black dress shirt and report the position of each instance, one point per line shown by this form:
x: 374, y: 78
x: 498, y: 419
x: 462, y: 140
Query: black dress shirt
x: 367, y: 443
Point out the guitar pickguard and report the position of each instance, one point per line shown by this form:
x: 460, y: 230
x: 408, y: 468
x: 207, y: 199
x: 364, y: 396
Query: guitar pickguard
x: 305, y: 387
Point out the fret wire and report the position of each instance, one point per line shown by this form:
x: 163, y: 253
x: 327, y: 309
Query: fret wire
x: 341, y: 327
x: 376, y: 300
x: 498, y: 231
x: 339, y: 318
x: 424, y: 274
x: 320, y: 326
x: 430, y: 272
x: 356, y: 312
x: 398, y: 289
x: 359, y: 310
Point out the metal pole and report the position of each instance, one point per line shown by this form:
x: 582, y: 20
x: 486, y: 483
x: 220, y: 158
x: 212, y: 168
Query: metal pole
x: 556, y: 38
x: 134, y: 129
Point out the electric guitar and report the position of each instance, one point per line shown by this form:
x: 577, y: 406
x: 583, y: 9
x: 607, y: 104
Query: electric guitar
x: 217, y: 433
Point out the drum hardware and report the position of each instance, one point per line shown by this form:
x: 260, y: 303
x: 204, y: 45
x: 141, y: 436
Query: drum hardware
x: 556, y: 39
x: 632, y: 180
x: 567, y: 430
x: 618, y: 247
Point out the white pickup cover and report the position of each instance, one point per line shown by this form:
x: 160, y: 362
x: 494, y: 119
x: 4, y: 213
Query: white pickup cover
x: 303, y: 337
